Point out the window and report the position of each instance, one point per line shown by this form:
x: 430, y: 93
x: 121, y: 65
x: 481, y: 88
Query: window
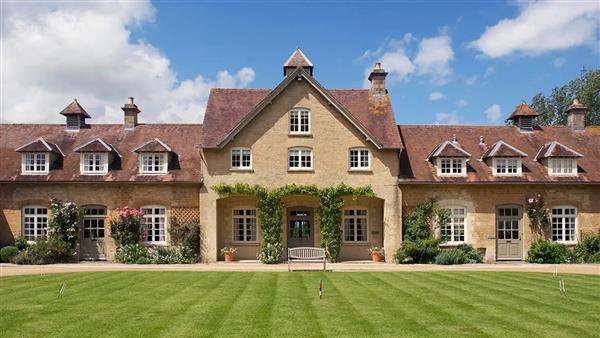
x: 154, y: 225
x: 93, y: 222
x: 35, y: 163
x: 562, y: 166
x: 300, y: 159
x: 35, y: 222
x: 299, y: 122
x: 360, y: 159
x: 355, y: 225
x: 241, y: 158
x: 94, y: 163
x: 454, y: 230
x: 244, y: 225
x: 563, y: 224
x: 449, y: 166
x: 153, y: 163
x: 504, y: 166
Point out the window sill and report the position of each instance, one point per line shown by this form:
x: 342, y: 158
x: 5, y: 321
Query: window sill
x: 507, y: 175
x: 35, y: 173
x: 451, y: 244
x: 357, y: 243
x: 301, y: 170
x: 244, y: 243
x: 563, y: 175
x: 360, y: 170
x: 452, y: 175
x: 152, y: 174
x: 300, y: 134
x: 569, y: 243
x: 154, y: 243
x: 93, y: 174
x: 241, y: 170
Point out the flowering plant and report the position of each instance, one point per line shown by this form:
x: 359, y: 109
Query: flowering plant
x: 64, y: 222
x: 538, y: 215
x: 376, y: 249
x: 228, y: 249
x: 126, y: 225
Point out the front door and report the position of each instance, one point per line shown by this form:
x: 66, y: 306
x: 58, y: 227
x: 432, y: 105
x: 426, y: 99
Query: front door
x: 509, y: 245
x: 300, y: 227
x: 92, y: 239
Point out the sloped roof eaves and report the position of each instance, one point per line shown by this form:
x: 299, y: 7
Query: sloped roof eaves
x: 418, y: 141
x: 184, y: 138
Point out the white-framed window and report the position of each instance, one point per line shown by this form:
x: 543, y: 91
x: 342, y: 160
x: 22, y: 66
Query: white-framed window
x: 355, y: 225
x: 300, y: 159
x: 94, y: 163
x: 244, y: 225
x: 241, y: 158
x: 94, y: 219
x: 561, y: 166
x: 564, y: 224
x: 153, y: 163
x: 300, y: 121
x: 451, y: 166
x: 35, y: 163
x: 455, y: 230
x: 507, y: 166
x: 360, y: 159
x: 154, y: 224
x: 35, y: 222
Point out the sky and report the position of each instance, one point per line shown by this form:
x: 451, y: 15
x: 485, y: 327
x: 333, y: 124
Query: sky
x: 449, y: 62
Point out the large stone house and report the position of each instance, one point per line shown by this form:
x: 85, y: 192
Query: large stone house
x: 300, y: 132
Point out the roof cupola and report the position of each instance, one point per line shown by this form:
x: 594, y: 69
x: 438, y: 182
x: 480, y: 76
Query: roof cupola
x: 75, y: 115
x: 297, y: 59
x: 523, y: 117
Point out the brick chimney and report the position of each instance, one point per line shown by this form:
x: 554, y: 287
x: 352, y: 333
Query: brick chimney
x: 131, y: 114
x: 576, y: 115
x: 377, y: 79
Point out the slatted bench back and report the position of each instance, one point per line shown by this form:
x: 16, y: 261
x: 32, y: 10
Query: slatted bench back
x: 306, y: 253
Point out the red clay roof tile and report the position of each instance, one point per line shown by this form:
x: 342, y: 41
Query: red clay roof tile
x: 74, y: 108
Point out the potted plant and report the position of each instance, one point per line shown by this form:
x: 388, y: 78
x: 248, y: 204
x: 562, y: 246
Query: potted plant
x: 377, y: 253
x: 228, y: 253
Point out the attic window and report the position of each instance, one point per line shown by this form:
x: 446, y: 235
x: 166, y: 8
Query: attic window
x: 507, y: 166
x: 300, y: 122
x: 153, y: 163
x: 451, y: 166
x: 35, y: 163
x: 562, y: 166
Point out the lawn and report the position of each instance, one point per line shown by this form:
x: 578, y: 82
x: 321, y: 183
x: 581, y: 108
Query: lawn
x: 171, y: 304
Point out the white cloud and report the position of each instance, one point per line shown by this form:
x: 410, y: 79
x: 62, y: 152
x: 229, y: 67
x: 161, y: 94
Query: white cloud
x: 435, y: 96
x: 447, y: 118
x: 493, y: 113
x: 462, y: 103
x: 470, y: 80
x: 542, y: 26
x: 57, y: 51
x: 397, y: 64
x: 489, y: 71
x: 559, y: 62
x: 434, y: 57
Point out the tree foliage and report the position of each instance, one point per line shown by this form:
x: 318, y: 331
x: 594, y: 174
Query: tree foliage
x: 552, y: 107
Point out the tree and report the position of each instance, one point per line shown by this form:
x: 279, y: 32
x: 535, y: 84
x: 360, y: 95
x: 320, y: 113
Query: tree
x: 552, y: 108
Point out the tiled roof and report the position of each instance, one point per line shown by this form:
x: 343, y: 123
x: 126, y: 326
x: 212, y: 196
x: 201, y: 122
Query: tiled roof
x: 74, y: 108
x: 154, y: 145
x: 228, y: 108
x: 448, y: 149
x: 95, y: 145
x: 523, y: 109
x: 298, y: 59
x: 183, y: 138
x: 502, y: 149
x: 555, y: 149
x: 39, y: 145
x: 419, y: 140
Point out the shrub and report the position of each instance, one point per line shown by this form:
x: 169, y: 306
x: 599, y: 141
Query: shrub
x: 584, y: 251
x: 64, y: 222
x: 595, y: 258
x: 462, y: 254
x: 187, y: 237
x: 133, y: 254
x: 21, y: 243
x: 7, y: 253
x: 126, y: 226
x: 543, y: 251
x: 418, y: 252
x: 270, y: 253
x: 470, y: 253
x: 50, y: 251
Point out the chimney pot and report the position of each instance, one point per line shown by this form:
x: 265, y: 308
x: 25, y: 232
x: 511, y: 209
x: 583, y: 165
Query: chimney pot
x: 377, y: 79
x: 481, y: 140
x: 131, y: 111
x: 131, y: 100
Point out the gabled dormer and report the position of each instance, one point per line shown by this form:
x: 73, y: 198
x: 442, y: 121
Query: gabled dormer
x: 449, y: 158
x: 95, y: 157
x: 38, y: 157
x: 523, y: 117
x: 558, y: 158
x: 504, y: 159
x: 75, y: 115
x: 154, y: 157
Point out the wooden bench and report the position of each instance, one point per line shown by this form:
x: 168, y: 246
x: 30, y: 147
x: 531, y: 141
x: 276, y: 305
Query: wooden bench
x: 306, y: 255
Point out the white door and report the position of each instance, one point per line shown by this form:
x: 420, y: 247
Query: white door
x: 92, y: 233
x: 509, y: 245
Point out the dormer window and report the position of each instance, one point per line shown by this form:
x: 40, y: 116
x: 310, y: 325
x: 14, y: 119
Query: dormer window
x: 451, y: 166
x: 154, y: 157
x: 94, y: 163
x: 299, y: 122
x: 562, y: 166
x: 560, y: 159
x: 35, y: 163
x: 507, y: 166
x: 153, y: 163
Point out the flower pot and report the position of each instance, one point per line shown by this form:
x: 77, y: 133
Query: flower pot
x: 229, y: 256
x: 377, y: 257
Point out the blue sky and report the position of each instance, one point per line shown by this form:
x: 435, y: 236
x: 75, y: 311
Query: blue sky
x: 445, y: 67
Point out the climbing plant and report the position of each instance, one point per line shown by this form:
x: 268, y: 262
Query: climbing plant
x: 539, y: 218
x: 270, y: 213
